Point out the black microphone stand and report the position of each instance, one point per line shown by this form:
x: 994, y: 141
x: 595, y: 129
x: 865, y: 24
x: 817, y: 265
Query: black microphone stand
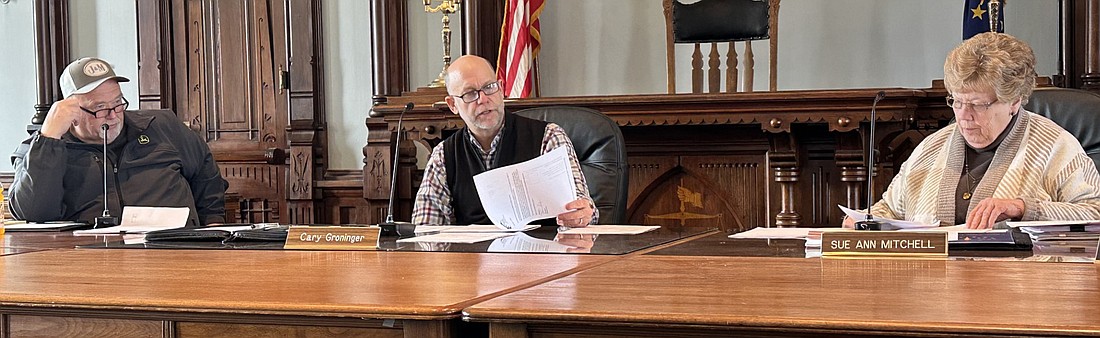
x: 389, y: 227
x: 870, y: 223
x: 106, y: 220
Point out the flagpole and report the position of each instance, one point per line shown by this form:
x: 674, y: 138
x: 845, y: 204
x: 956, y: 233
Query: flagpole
x: 994, y: 16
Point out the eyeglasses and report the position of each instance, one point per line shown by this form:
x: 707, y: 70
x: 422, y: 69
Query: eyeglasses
x: 101, y: 113
x: 473, y: 95
x: 976, y: 107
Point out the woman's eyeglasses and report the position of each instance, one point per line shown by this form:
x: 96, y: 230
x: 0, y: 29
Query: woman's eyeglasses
x: 976, y: 107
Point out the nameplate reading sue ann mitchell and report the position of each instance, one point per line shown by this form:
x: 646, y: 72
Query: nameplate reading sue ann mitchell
x: 883, y: 243
x: 332, y: 238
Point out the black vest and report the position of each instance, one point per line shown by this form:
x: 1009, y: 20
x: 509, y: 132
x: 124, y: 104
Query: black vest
x: 521, y: 140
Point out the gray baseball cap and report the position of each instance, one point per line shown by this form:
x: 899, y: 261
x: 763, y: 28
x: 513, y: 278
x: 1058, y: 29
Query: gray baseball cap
x: 85, y: 75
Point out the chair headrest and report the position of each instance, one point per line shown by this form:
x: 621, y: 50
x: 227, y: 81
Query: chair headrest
x: 720, y: 20
x: 1077, y: 111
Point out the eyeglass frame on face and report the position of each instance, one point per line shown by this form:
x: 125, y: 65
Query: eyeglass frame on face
x: 107, y: 111
x: 487, y: 89
x: 976, y: 107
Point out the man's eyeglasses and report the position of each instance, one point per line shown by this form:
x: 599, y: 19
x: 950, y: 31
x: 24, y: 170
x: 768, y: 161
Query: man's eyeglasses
x: 473, y: 95
x: 101, y: 113
x: 976, y: 107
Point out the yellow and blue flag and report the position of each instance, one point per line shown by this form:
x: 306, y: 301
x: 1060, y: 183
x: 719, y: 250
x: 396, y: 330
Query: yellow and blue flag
x: 976, y: 18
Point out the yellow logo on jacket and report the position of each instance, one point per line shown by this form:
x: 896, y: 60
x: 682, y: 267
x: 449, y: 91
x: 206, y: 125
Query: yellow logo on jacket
x: 143, y: 139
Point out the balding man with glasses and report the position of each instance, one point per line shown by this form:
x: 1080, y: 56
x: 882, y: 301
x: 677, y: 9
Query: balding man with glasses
x: 152, y: 159
x: 490, y: 139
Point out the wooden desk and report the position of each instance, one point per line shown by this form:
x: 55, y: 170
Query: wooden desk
x: 681, y: 296
x: 202, y: 293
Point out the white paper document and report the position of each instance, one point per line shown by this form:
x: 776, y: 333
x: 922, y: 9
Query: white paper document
x: 1089, y: 224
x: 46, y: 226
x: 525, y: 243
x: 778, y: 233
x: 137, y: 220
x: 954, y: 231
x: 455, y: 237
x: 430, y: 229
x: 523, y: 192
x: 890, y: 224
x: 611, y: 230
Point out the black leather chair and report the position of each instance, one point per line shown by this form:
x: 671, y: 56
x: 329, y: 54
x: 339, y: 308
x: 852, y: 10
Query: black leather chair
x: 721, y: 21
x: 601, y: 152
x: 1077, y: 111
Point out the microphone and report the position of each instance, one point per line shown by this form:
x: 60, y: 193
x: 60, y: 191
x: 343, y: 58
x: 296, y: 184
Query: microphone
x: 869, y: 223
x: 389, y: 227
x: 106, y: 220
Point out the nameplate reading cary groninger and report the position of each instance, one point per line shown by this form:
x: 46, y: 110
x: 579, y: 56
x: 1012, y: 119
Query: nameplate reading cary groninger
x: 883, y: 243
x: 332, y: 237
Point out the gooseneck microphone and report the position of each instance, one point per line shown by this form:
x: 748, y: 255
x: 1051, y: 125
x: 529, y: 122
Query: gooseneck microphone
x: 870, y: 223
x: 106, y: 220
x: 389, y: 227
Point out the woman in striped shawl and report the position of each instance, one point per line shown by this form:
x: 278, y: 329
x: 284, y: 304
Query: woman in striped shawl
x: 997, y: 161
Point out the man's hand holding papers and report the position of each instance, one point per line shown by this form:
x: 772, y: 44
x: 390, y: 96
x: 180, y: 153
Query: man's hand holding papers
x: 543, y: 187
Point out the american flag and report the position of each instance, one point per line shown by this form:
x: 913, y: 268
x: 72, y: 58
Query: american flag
x: 519, y: 45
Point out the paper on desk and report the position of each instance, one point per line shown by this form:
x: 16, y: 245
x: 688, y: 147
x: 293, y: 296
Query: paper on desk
x: 429, y: 229
x: 525, y: 243
x: 1090, y: 224
x: 954, y: 231
x: 41, y: 226
x: 455, y: 237
x: 778, y: 233
x: 611, y: 230
x: 523, y: 192
x: 144, y: 219
x: 892, y: 224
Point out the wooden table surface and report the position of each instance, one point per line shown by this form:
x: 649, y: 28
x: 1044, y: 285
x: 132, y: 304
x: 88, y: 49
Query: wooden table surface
x: 363, y: 284
x: 677, y: 294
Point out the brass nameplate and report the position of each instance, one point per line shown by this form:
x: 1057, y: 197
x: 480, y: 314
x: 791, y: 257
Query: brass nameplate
x: 883, y: 243
x: 332, y: 237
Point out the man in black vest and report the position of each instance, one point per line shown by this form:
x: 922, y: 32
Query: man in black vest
x: 491, y: 139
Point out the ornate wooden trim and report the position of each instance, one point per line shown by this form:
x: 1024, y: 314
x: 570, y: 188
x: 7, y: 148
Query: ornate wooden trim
x: 51, y: 40
x: 156, y: 81
x: 306, y: 116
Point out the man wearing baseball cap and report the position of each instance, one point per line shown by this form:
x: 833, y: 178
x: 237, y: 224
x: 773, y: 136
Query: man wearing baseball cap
x: 152, y: 159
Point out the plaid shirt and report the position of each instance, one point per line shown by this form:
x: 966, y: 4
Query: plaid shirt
x: 433, y: 201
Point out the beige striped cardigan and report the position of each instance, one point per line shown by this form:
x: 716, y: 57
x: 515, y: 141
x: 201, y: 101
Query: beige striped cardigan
x: 1038, y: 162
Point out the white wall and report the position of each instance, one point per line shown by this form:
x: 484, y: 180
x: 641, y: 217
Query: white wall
x: 347, y: 80
x: 617, y: 46
x: 18, y: 94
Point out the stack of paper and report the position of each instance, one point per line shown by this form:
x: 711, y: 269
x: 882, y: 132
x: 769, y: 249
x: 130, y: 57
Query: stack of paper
x: 1088, y: 230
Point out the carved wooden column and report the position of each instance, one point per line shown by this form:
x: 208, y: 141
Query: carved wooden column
x: 390, y: 55
x: 155, y: 77
x: 783, y: 159
x: 51, y: 41
x: 853, y: 170
x: 305, y: 127
x: 481, y: 22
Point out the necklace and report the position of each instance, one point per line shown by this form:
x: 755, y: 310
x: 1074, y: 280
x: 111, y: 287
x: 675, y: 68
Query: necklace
x: 971, y: 182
